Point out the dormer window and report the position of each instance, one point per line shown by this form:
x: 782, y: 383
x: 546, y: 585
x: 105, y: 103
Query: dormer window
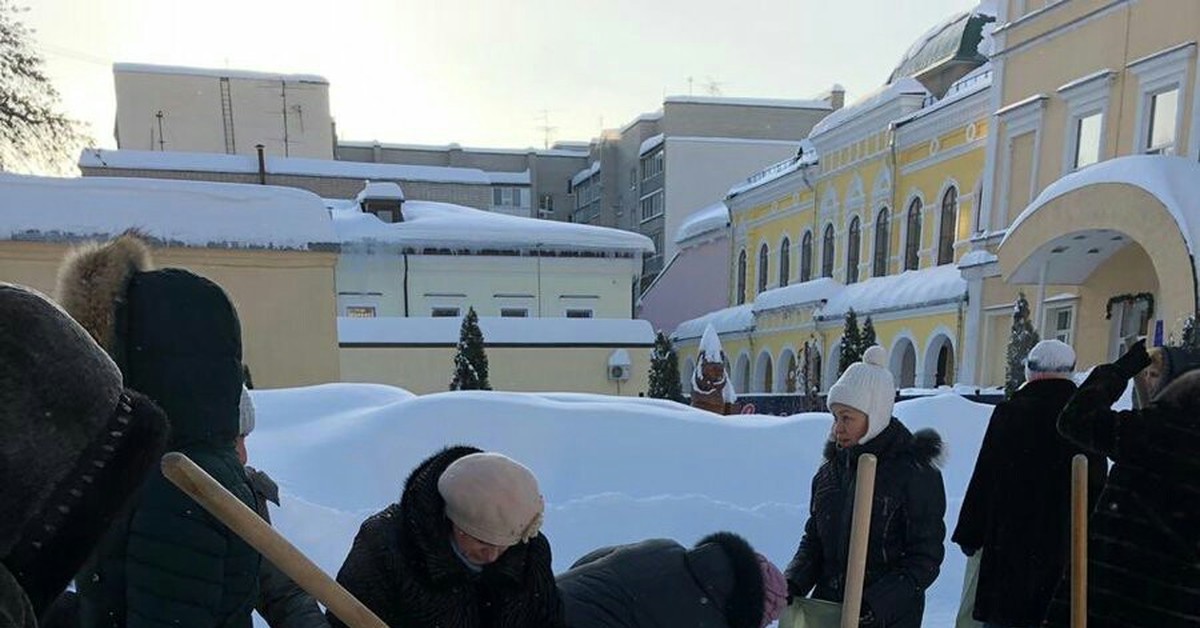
x: 384, y: 200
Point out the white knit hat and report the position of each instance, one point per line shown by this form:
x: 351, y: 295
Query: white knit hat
x: 1050, y: 357
x: 868, y: 387
x: 493, y: 498
x: 246, y: 412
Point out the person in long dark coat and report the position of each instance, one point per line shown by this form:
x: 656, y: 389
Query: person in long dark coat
x: 905, y: 551
x: 462, y: 549
x: 719, y: 583
x: 1017, y: 508
x: 1144, y: 535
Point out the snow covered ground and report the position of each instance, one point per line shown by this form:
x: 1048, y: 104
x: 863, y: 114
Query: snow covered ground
x: 612, y: 470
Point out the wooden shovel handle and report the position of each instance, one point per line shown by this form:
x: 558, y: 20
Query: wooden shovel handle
x: 860, y: 533
x: 246, y: 523
x: 1079, y: 538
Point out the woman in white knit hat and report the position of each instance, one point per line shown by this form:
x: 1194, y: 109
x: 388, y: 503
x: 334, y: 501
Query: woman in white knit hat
x: 905, y: 551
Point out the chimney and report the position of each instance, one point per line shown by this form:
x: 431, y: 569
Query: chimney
x: 262, y: 165
x: 837, y: 97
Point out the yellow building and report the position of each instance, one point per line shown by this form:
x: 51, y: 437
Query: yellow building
x: 873, y: 215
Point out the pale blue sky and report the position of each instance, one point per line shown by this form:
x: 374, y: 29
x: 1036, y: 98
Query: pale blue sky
x: 479, y: 72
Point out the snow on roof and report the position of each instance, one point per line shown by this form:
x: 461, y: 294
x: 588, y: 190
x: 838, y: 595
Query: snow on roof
x: 510, y: 178
x: 749, y: 102
x: 976, y: 258
x: 813, y: 291
x: 443, y: 225
x: 769, y: 174
x: 380, y: 190
x: 220, y: 162
x: 178, y: 213
x: 497, y: 331
x: 1174, y: 181
x: 561, y: 149
x: 145, y: 68
x: 711, y: 218
x: 726, y: 321
x: 651, y: 144
x: 875, y: 99
x: 586, y: 173
x: 910, y: 289
x: 645, y: 117
x: 976, y: 81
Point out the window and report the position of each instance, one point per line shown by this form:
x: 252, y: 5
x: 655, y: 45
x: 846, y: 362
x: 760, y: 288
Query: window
x: 514, y: 312
x: 741, y: 278
x: 657, y: 239
x: 652, y: 165
x: 444, y: 312
x: 579, y: 313
x: 806, y: 257
x: 948, y: 226
x: 510, y: 197
x: 912, y: 243
x: 546, y: 203
x: 1087, y: 140
x: 763, y: 260
x: 652, y: 205
x: 785, y: 262
x: 853, y: 246
x: 1058, y: 324
x: 882, y: 242
x: 827, y: 252
x: 1164, y: 113
x: 360, y: 311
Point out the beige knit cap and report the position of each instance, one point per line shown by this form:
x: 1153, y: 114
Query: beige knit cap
x: 493, y: 498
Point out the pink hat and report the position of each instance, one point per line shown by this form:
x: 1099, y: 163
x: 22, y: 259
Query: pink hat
x: 775, y: 590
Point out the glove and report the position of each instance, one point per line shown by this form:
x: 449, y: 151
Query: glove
x: 1134, y: 360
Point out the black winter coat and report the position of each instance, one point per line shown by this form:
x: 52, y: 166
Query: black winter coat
x: 905, y: 550
x: 658, y: 583
x: 403, y: 568
x: 281, y: 602
x: 1144, y: 536
x: 1018, y: 505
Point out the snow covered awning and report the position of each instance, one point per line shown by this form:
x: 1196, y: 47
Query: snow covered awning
x: 176, y: 213
x: 727, y: 321
x: 910, y: 289
x: 497, y: 332
x: 815, y: 291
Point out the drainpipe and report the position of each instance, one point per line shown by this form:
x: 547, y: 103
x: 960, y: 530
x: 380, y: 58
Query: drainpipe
x: 405, y: 284
x: 262, y: 165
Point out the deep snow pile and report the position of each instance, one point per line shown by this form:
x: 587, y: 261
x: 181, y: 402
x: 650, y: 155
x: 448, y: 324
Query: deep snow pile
x: 613, y: 470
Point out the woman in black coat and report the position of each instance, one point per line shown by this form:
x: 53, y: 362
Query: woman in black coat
x: 904, y: 553
x: 719, y: 583
x: 416, y: 566
x: 1017, y: 508
x: 1144, y: 536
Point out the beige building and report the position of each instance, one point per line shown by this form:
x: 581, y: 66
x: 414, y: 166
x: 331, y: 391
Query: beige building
x: 269, y: 248
x: 1089, y: 203
x: 166, y: 108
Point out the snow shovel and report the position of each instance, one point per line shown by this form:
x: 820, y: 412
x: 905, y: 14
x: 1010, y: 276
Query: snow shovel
x: 246, y: 523
x: 1079, y: 539
x: 810, y: 613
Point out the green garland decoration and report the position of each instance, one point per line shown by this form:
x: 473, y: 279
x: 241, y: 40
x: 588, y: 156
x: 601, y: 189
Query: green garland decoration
x: 1131, y: 298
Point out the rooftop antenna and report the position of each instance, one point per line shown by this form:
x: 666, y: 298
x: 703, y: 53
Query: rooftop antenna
x: 545, y: 127
x: 713, y: 87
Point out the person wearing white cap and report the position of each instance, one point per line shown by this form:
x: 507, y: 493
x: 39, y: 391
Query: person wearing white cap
x: 461, y: 549
x: 1017, y: 506
x: 904, y: 552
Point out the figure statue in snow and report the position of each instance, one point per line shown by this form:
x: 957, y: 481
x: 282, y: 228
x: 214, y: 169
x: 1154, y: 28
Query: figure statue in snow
x: 711, y: 388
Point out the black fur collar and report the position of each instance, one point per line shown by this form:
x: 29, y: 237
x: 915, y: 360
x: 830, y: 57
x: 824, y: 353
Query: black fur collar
x: 925, y: 446
x: 744, y: 607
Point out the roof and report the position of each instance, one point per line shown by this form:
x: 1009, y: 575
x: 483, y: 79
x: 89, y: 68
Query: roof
x: 145, y: 68
x: 651, y: 144
x: 910, y: 289
x: 610, y: 332
x: 382, y: 191
x: 585, y: 174
x: 715, y: 217
x: 727, y: 321
x: 177, y: 213
x: 220, y: 162
x: 958, y: 38
x: 561, y: 148
x: 868, y: 103
x: 974, y: 82
x: 813, y: 291
x: 442, y: 225
x: 750, y: 102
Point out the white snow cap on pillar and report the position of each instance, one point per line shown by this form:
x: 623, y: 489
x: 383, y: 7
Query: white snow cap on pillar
x: 710, y: 344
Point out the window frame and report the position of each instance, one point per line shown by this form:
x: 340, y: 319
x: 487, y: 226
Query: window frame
x: 883, y: 243
x: 947, y: 237
x: 912, y: 236
x: 853, y: 250
x: 828, y: 250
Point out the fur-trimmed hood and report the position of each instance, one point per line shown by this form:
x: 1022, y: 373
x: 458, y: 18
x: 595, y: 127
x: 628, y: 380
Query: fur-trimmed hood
x: 92, y: 284
x: 925, y: 446
x: 744, y: 606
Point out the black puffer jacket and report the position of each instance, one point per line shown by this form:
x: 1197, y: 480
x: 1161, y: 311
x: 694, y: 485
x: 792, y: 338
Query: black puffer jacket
x: 1018, y: 505
x: 403, y: 568
x: 717, y: 584
x: 1144, y: 536
x: 905, y: 550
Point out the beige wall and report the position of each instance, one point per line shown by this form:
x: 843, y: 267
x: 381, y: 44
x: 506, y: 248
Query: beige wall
x: 193, y: 115
x: 285, y: 301
x: 425, y: 370
x: 716, y: 120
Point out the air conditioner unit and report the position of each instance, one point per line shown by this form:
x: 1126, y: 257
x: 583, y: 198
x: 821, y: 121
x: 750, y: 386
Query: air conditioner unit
x: 618, y: 372
x: 619, y: 366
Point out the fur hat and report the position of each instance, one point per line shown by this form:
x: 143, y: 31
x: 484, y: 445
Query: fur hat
x: 868, y: 387
x: 493, y: 498
x: 76, y: 444
x: 1050, y: 359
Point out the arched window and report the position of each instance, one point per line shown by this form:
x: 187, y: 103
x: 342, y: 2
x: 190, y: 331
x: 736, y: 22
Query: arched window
x: 827, y: 252
x: 741, y: 278
x: 912, y: 244
x: 806, y: 257
x: 764, y: 258
x: 948, y: 228
x: 854, y: 245
x: 785, y: 261
x: 882, y: 241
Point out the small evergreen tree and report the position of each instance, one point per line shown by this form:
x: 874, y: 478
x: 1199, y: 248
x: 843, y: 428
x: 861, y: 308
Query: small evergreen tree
x: 664, y: 370
x: 1191, y: 335
x: 470, y: 363
x: 1020, y: 343
x: 851, y: 350
x: 867, y: 338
